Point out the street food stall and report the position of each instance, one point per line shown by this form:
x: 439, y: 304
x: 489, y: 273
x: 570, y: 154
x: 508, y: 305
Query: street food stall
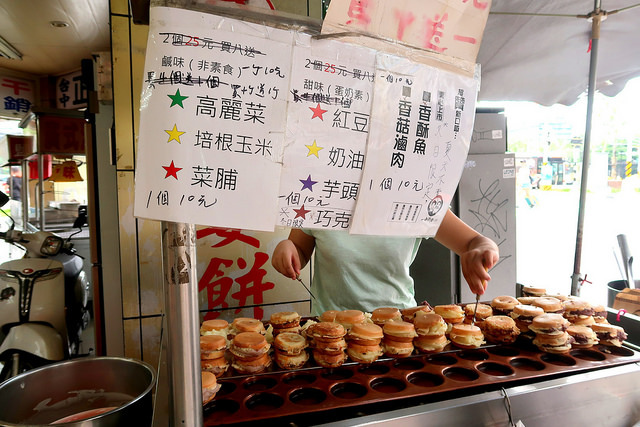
x: 242, y: 103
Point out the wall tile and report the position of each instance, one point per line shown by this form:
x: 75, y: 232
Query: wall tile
x: 128, y: 246
x: 132, y: 347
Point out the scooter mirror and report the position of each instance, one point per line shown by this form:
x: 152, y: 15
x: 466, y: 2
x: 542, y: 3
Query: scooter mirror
x: 4, y: 199
x: 80, y: 221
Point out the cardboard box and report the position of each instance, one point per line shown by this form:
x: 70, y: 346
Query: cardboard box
x: 489, y: 132
x: 629, y: 300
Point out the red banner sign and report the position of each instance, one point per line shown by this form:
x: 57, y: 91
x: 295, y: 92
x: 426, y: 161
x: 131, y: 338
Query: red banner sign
x: 61, y: 135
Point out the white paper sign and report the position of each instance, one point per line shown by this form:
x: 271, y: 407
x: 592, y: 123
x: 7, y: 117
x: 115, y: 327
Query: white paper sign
x: 71, y: 93
x: 17, y: 96
x: 421, y: 125
x: 327, y: 126
x: 212, y: 120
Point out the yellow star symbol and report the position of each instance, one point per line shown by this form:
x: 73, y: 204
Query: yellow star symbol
x: 313, y: 149
x: 174, y: 134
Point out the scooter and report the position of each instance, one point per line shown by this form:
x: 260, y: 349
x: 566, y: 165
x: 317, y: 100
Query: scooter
x: 43, y: 301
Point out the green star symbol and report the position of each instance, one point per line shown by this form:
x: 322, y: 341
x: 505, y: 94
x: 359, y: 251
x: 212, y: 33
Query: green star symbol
x: 177, y: 99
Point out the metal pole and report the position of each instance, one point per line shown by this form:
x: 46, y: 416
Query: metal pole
x: 181, y: 311
x: 39, y: 188
x: 586, y: 155
x: 25, y: 194
x: 40, y: 191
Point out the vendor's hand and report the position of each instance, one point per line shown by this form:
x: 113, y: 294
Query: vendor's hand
x: 286, y: 259
x: 476, y: 261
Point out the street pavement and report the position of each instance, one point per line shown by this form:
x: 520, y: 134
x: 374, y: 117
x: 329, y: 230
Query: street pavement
x: 546, y: 239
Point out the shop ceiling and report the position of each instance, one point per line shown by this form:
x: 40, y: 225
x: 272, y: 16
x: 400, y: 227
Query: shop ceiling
x: 52, y: 36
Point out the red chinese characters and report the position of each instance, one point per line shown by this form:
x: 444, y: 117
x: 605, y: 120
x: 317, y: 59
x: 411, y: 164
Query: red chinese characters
x: 435, y: 27
x: 358, y: 12
x: 217, y: 279
x: 405, y: 19
x: 16, y: 86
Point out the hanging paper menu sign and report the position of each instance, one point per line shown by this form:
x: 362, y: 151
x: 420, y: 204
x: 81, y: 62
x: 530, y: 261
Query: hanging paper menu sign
x: 212, y: 120
x: 421, y: 125
x: 327, y: 127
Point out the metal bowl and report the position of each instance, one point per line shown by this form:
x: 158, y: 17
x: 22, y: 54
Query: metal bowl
x: 120, y: 387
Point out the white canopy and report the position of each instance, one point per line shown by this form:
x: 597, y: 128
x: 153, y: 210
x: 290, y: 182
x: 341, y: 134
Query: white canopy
x: 540, y: 50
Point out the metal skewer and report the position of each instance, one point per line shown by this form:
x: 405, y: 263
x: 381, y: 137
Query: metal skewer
x: 473, y: 321
x: 475, y: 309
x: 305, y: 286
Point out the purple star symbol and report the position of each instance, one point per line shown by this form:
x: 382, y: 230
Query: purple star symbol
x: 307, y: 183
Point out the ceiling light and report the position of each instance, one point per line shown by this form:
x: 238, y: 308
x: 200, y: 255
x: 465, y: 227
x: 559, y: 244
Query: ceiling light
x: 58, y: 24
x: 8, y: 51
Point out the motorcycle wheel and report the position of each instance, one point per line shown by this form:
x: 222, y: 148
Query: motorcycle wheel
x: 23, y: 363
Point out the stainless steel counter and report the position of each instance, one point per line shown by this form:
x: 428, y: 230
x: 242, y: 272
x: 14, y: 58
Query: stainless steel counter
x: 604, y: 397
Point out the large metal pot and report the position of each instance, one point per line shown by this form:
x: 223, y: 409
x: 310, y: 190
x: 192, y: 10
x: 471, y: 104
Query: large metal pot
x: 48, y: 394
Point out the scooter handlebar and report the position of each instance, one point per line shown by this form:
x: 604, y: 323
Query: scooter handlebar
x: 11, y: 236
x: 68, y: 249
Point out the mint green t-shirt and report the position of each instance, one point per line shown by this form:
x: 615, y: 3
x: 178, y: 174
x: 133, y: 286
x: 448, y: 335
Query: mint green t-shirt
x: 361, y: 272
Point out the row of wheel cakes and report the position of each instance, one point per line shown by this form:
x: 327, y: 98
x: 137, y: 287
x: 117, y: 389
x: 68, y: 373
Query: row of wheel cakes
x: 554, y: 323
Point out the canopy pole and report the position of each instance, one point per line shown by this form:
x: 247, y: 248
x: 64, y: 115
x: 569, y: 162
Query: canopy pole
x: 586, y: 154
x: 182, y: 322
x: 24, y: 196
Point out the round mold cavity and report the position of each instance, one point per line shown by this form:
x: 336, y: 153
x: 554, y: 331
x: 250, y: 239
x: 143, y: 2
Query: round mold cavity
x: 337, y: 374
x: 461, y: 374
x: 526, y: 364
x: 504, y: 351
x: 260, y: 383
x: 262, y: 402
x: 387, y: 385
x: 226, y: 387
x: 495, y: 369
x: 373, y: 369
x: 221, y: 407
x: 349, y: 390
x: 425, y: 379
x: 307, y: 396
x: 527, y: 344
x: 587, y: 354
x: 618, y: 351
x: 475, y: 355
x: 442, y: 359
x: 411, y: 364
x: 299, y: 379
x: 558, y: 359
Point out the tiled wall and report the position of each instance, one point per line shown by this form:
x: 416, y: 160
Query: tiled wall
x: 141, y: 268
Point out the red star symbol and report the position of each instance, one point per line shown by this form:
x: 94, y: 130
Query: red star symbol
x: 172, y: 170
x: 300, y: 213
x: 317, y: 112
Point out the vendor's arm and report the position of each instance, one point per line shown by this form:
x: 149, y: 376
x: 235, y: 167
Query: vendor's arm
x: 477, y: 252
x: 291, y: 255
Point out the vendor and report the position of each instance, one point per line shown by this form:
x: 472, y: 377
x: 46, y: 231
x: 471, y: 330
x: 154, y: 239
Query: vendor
x: 366, y: 272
